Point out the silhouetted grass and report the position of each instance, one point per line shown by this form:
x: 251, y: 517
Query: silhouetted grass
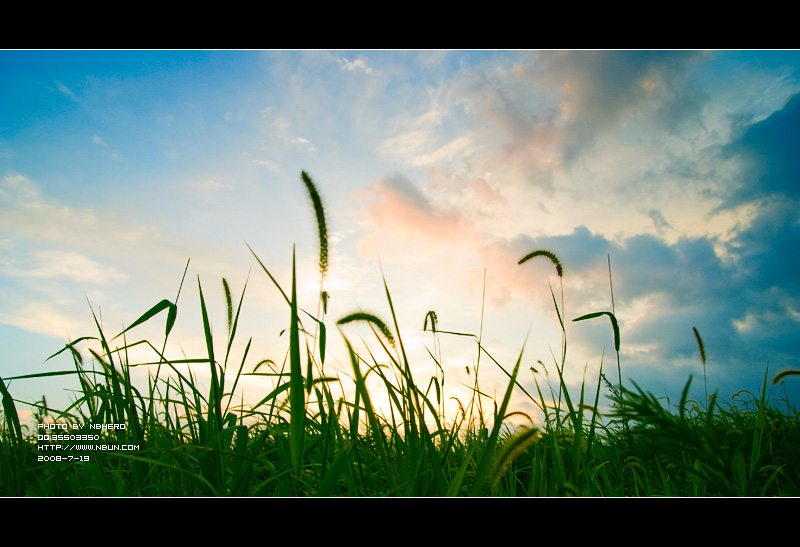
x: 306, y: 438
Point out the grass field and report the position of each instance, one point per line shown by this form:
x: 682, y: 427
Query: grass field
x: 307, y: 439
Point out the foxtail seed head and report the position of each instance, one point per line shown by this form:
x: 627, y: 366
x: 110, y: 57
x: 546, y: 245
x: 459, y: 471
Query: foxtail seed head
x: 550, y: 255
x: 322, y: 228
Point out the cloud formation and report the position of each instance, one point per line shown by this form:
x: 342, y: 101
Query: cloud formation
x: 591, y: 154
x: 67, y: 264
x: 404, y: 227
x: 356, y: 65
x: 680, y: 166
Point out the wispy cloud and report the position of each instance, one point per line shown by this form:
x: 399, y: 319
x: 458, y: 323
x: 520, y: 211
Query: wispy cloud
x: 18, y: 191
x: 208, y: 186
x: 29, y: 218
x: 592, y: 154
x: 402, y: 217
x: 269, y: 165
x: 66, y: 91
x: 357, y: 65
x: 66, y: 264
x: 46, y: 318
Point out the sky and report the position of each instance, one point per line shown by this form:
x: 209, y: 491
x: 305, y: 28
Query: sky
x: 438, y: 170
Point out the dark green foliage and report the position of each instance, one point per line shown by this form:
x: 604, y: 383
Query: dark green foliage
x: 288, y: 444
x: 614, y: 324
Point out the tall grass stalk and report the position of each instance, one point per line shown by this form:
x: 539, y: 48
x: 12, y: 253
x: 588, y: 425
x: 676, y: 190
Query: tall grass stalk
x: 703, y: 358
x: 322, y: 232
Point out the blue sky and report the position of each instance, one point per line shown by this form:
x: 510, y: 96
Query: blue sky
x: 117, y: 167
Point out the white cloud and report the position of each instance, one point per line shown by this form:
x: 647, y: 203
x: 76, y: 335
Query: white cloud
x: 353, y: 66
x: 421, y: 140
x: 270, y: 165
x: 19, y: 191
x: 66, y: 264
x: 30, y: 220
x: 66, y: 91
x: 281, y: 124
x: 46, y: 318
x: 208, y: 185
x: 460, y: 147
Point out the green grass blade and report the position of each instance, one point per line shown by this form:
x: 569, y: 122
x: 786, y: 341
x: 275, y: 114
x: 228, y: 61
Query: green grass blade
x: 269, y: 274
x: 322, y: 337
x: 158, y: 308
x: 297, y: 393
x: 614, y: 324
x: 71, y: 347
x: 215, y: 397
x: 480, y: 475
x: 10, y: 411
x: 332, y: 474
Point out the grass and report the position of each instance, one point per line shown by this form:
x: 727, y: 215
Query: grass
x: 305, y: 438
